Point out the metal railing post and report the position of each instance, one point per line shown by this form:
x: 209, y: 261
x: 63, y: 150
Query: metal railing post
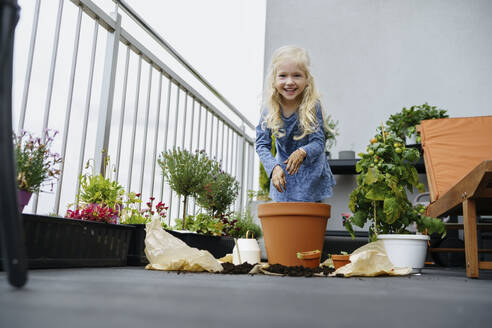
x: 107, y: 95
x: 241, y: 166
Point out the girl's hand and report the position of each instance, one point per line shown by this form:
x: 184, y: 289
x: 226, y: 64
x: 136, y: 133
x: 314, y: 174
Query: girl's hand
x: 278, y: 178
x: 295, y: 160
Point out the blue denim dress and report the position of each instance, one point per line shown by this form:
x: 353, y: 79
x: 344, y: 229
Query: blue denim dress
x: 313, y: 181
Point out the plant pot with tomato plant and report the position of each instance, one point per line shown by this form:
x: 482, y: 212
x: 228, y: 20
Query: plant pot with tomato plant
x: 36, y: 165
x: 380, y: 198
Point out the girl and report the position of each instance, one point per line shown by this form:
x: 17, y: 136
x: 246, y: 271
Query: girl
x: 293, y: 114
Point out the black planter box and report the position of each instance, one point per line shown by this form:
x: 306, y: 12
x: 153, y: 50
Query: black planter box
x: 54, y: 242
x: 217, y: 246
x: 136, y: 254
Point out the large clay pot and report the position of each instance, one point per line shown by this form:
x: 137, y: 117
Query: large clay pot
x: 289, y: 228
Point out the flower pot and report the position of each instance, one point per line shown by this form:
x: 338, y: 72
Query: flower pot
x: 249, y: 251
x: 309, y: 259
x: 346, y: 154
x: 23, y: 197
x: 340, y: 260
x: 406, y: 250
x: 292, y: 227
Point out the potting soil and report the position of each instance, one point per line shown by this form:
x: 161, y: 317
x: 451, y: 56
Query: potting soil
x: 298, y: 271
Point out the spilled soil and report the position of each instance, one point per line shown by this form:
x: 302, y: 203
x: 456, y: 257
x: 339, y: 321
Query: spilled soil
x: 291, y: 271
x: 297, y: 271
x: 230, y: 268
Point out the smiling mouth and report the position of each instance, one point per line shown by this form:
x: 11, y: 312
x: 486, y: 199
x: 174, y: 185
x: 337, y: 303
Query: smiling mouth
x: 290, y: 90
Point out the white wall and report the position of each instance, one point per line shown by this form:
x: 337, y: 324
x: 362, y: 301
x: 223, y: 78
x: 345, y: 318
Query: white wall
x: 371, y: 58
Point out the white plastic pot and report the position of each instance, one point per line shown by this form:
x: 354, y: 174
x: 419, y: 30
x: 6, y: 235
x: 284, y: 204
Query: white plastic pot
x: 406, y: 250
x: 249, y: 251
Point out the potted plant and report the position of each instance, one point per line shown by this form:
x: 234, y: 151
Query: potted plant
x: 331, y: 133
x: 131, y: 214
x: 36, y: 165
x: 404, y: 123
x: 99, y: 198
x: 380, y: 198
x: 186, y: 173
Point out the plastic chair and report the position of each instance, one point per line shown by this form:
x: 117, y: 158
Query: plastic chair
x: 458, y: 161
x: 11, y: 232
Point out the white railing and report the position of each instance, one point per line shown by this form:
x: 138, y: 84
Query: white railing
x: 141, y: 105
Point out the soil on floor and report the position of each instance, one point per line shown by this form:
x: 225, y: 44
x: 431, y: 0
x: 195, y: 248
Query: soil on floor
x: 292, y: 271
x: 298, y: 271
x: 230, y: 268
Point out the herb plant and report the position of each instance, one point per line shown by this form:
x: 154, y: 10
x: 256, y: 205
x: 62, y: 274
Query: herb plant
x: 187, y: 173
x: 35, y: 163
x: 219, y: 192
x: 243, y: 223
x: 96, y: 189
x: 386, y: 173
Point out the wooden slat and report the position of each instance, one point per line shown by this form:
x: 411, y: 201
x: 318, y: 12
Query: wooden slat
x: 485, y: 265
x: 470, y: 236
x: 464, y: 189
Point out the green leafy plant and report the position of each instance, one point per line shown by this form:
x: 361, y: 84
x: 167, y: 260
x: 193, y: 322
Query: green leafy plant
x: 244, y: 223
x: 404, y: 123
x: 258, y: 194
x: 97, y: 189
x: 130, y: 214
x: 331, y: 132
x: 386, y: 173
x: 202, y: 223
x: 186, y: 173
x: 35, y: 164
x: 219, y: 192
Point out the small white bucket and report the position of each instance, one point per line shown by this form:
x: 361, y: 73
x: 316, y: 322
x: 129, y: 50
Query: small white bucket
x: 249, y: 251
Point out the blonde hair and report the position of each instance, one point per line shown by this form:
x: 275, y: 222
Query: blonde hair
x: 308, y: 122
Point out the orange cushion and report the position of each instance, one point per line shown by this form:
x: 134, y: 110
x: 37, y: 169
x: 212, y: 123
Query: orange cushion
x: 452, y: 148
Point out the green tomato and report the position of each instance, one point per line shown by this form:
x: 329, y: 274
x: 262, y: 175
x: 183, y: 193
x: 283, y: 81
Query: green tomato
x: 376, y: 160
x: 380, y: 164
x: 398, y: 150
x: 371, y: 152
x: 396, y: 144
x: 371, y: 165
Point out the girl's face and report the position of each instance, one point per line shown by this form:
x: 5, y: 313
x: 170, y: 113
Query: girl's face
x: 290, y: 81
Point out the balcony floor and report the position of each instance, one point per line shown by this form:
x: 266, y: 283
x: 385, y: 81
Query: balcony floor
x: 134, y: 297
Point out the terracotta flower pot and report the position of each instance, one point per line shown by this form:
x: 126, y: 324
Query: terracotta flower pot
x: 292, y: 227
x: 309, y: 259
x: 340, y: 260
